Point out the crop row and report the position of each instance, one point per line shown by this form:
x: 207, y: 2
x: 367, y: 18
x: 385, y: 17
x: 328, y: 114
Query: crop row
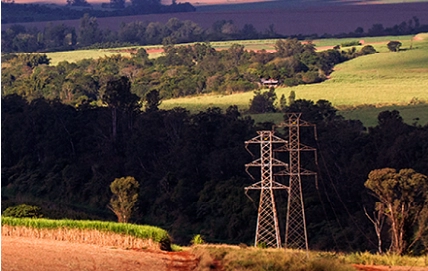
x: 97, y: 232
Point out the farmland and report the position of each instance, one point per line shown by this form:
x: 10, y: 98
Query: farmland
x: 391, y: 80
x: 54, y: 252
x: 360, y: 88
x: 61, y: 152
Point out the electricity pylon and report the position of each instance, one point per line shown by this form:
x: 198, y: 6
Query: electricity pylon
x: 295, y: 229
x: 267, y: 231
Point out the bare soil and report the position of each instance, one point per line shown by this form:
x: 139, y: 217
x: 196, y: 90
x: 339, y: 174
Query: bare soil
x: 34, y: 254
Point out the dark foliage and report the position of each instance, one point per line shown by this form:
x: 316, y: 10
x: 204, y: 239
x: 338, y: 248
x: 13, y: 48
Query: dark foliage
x: 181, y: 71
x: 16, y: 13
x: 191, y: 167
x: 60, y: 37
x: 23, y: 210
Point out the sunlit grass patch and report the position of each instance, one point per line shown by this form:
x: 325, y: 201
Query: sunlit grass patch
x: 89, y: 231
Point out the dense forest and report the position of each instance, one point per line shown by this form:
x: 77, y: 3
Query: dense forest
x: 190, y: 167
x: 181, y: 71
x: 60, y: 37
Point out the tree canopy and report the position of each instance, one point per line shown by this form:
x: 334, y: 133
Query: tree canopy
x: 402, y: 196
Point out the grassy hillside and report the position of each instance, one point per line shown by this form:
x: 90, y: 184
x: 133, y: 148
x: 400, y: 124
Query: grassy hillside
x: 72, y: 56
x: 383, y: 79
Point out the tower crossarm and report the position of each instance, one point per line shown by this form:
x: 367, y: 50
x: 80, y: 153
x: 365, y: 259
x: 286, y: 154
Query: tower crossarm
x: 301, y: 147
x: 302, y: 171
x: 273, y: 161
x: 259, y: 185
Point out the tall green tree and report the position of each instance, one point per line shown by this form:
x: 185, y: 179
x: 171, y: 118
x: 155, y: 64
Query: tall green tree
x: 89, y: 33
x: 263, y: 102
x: 402, y: 197
x: 119, y: 98
x: 125, y: 195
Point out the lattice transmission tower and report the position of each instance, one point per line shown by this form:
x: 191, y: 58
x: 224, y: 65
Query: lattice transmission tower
x: 295, y: 229
x: 267, y: 230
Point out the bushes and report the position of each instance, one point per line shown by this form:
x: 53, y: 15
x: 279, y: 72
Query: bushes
x: 23, y: 210
x: 367, y: 50
x: 350, y: 43
x: 394, y: 46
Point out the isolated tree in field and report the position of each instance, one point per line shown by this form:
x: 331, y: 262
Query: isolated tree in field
x: 402, y: 198
x: 292, y: 97
x: 394, y: 46
x: 125, y: 195
x: 153, y: 101
x: 263, y: 102
x: 368, y: 49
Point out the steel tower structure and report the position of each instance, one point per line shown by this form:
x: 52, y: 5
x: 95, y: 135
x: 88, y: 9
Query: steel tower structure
x: 267, y: 231
x: 295, y: 231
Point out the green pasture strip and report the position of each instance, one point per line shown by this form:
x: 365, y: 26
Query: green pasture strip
x: 377, y: 42
x: 381, y: 79
x: 268, y: 44
x: 411, y: 114
x: 138, y: 231
x: 268, y: 117
x: 74, y: 56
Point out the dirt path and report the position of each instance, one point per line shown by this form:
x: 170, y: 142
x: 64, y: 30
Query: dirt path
x: 22, y: 254
x: 31, y: 254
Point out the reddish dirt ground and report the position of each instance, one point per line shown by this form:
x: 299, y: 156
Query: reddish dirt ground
x: 23, y: 253
x: 31, y: 254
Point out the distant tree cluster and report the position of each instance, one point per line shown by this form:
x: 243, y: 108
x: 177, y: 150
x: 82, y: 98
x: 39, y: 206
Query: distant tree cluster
x: 75, y: 9
x: 60, y: 37
x: 181, y: 71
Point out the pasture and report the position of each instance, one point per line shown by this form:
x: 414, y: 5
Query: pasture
x: 252, y: 45
x: 360, y: 87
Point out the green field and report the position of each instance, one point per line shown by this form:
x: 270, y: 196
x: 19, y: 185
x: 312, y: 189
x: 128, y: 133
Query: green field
x: 72, y: 56
x: 413, y: 114
x: 373, y: 83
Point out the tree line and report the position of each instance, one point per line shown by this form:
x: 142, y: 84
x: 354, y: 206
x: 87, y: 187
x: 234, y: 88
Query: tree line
x: 181, y: 71
x: 60, y: 37
x: 190, y: 167
x: 75, y: 9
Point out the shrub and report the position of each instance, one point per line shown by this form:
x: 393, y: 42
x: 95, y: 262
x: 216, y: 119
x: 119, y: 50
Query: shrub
x: 394, y: 46
x: 23, y: 210
x: 367, y: 50
x: 350, y: 43
x: 197, y: 240
x: 125, y: 195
